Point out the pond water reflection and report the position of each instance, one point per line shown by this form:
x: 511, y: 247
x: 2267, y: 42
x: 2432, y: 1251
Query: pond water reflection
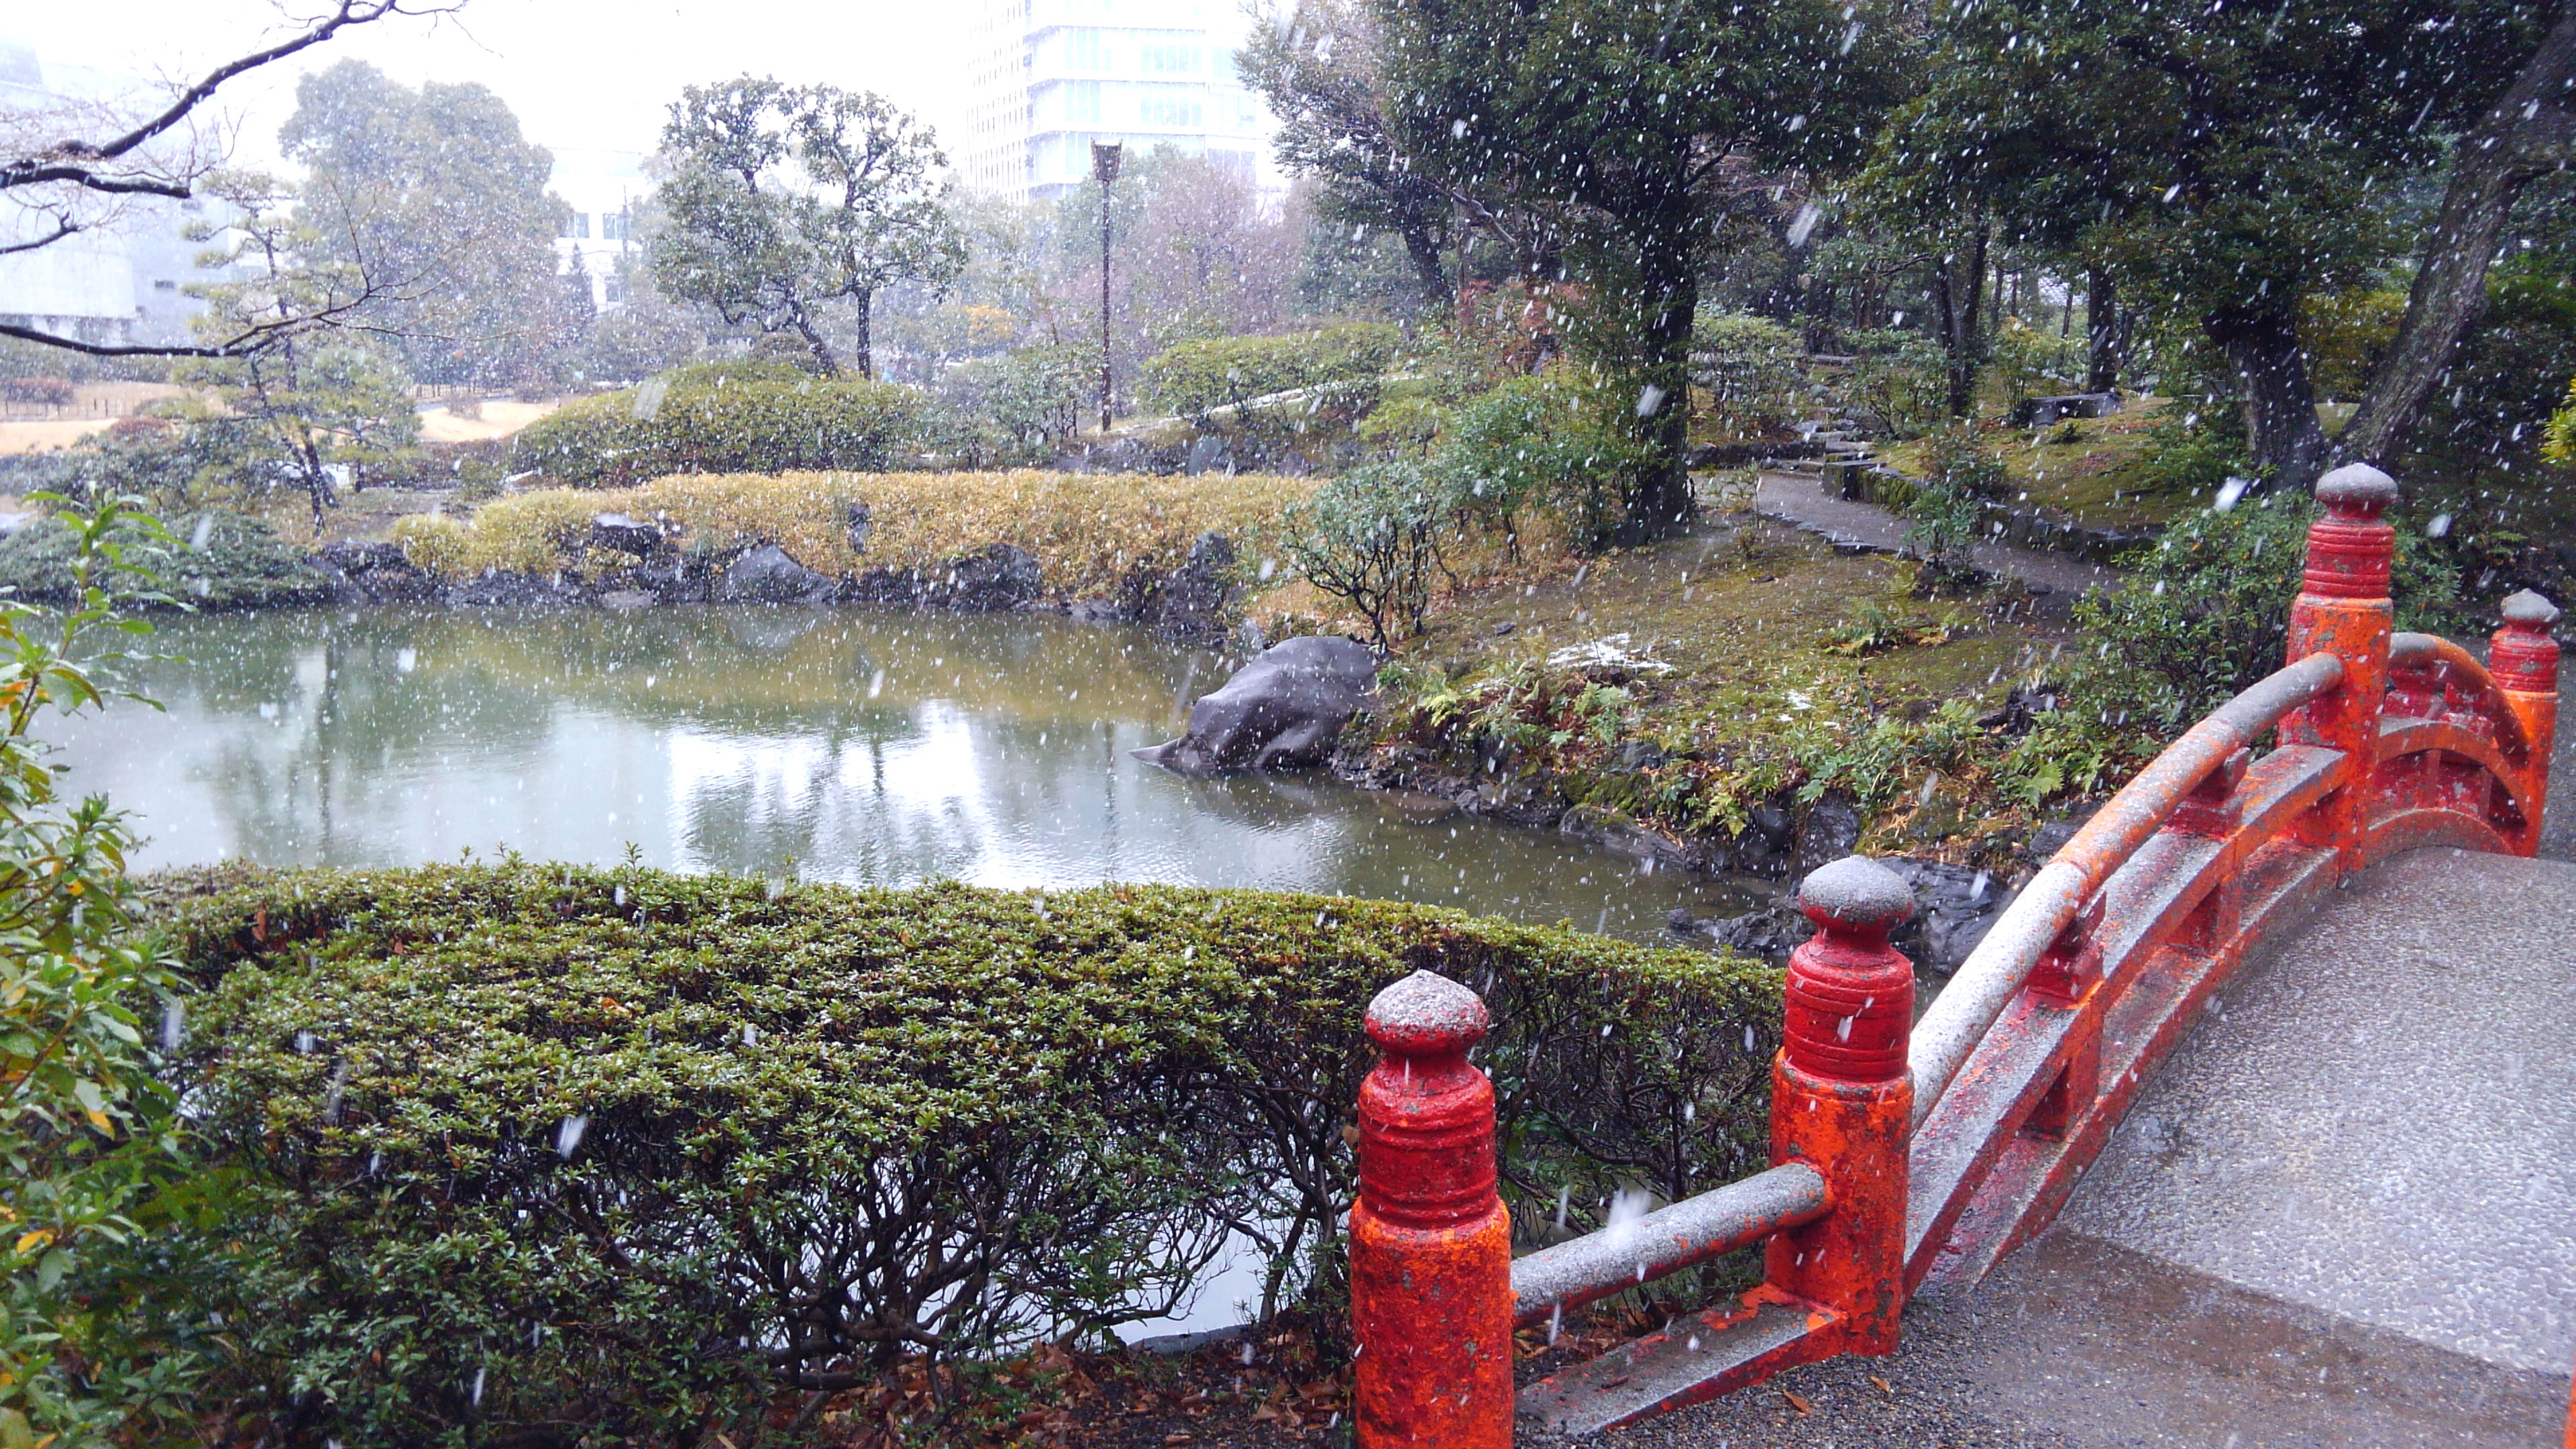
x: 867, y: 747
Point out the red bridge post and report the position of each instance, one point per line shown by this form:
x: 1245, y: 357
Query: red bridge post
x: 1842, y: 1101
x: 2523, y: 660
x: 2343, y: 609
x: 1431, y: 1256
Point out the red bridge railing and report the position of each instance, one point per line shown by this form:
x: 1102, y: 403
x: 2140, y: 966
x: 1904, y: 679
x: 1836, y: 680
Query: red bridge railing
x: 1909, y: 1151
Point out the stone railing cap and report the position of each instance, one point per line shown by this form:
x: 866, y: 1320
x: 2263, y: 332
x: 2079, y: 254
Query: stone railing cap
x: 1427, y: 1012
x: 1856, y: 891
x: 2530, y: 610
x: 2357, y: 483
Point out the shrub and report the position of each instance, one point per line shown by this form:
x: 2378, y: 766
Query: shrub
x: 1017, y: 407
x: 1754, y: 371
x: 2203, y: 614
x: 209, y: 559
x: 727, y: 417
x: 2561, y: 444
x: 86, y: 1130
x: 1090, y: 532
x: 41, y: 391
x: 1372, y: 538
x: 2031, y: 362
x: 622, y: 1153
x: 1556, y: 439
x: 1192, y: 377
x: 2191, y: 454
x: 1900, y: 376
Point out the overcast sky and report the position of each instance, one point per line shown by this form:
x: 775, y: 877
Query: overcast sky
x: 594, y: 73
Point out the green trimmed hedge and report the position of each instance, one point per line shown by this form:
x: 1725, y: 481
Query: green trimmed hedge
x: 1192, y: 377
x: 627, y: 1153
x: 211, y: 559
x: 739, y: 417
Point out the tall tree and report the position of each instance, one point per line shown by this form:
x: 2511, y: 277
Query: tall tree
x: 1319, y: 69
x: 782, y: 199
x: 2529, y: 132
x: 1638, y: 125
x: 2221, y: 163
x: 65, y: 182
x: 435, y: 191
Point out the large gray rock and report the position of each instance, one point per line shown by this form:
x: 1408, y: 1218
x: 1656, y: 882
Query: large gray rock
x: 993, y: 579
x: 624, y: 533
x: 1830, y: 831
x: 1283, y: 710
x: 503, y: 589
x: 1188, y: 603
x: 766, y: 575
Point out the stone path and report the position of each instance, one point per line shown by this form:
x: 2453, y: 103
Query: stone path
x: 1800, y: 501
x: 2343, y: 1214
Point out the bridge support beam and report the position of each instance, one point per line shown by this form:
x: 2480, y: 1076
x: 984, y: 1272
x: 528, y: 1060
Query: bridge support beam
x: 1431, y: 1243
x: 2524, y: 662
x: 1842, y: 1102
x: 2343, y: 609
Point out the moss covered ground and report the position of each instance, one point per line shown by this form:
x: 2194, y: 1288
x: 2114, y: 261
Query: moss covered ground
x: 2093, y: 470
x: 1686, y: 685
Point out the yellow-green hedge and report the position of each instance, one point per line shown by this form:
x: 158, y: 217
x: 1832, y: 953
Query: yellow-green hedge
x: 1087, y: 531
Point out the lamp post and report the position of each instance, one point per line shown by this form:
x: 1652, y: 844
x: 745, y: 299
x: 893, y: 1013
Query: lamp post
x: 1104, y: 165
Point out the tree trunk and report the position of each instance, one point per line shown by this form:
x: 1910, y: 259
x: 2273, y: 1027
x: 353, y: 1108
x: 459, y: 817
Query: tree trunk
x: 1424, y: 250
x: 317, y: 483
x: 1958, y: 292
x: 2101, y: 331
x: 803, y: 322
x: 2280, y: 406
x: 1661, y: 504
x: 865, y: 354
x: 2528, y: 133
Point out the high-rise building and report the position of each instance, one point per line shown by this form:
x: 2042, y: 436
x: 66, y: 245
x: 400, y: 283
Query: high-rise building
x: 604, y: 189
x: 1050, y: 77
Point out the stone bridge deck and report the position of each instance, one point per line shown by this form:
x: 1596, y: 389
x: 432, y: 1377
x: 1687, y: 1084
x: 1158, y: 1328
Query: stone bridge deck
x: 2342, y: 1214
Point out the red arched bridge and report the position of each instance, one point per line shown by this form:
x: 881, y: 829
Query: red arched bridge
x: 1910, y: 1153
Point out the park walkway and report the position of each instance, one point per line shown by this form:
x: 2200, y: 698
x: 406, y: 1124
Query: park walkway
x: 1801, y: 501
x: 2343, y: 1213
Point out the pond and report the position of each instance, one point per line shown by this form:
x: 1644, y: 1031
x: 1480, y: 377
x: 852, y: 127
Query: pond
x: 866, y: 747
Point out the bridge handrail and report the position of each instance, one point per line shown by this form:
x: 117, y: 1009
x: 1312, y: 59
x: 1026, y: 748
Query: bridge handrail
x: 1688, y: 1233
x: 1995, y: 972
x: 2450, y: 661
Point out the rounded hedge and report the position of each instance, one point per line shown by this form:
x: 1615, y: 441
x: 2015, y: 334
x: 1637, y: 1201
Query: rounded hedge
x: 1192, y: 377
x: 722, y: 418
x: 619, y: 1155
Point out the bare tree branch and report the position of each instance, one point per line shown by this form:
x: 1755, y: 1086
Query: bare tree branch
x: 61, y: 229
x: 345, y: 14
x: 84, y: 166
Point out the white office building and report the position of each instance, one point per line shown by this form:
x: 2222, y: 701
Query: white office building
x: 120, y: 282
x: 1050, y: 77
x: 605, y: 189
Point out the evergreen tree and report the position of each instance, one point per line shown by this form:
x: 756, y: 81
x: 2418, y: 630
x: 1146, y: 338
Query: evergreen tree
x: 783, y: 199
x: 2221, y: 163
x: 435, y: 197
x: 1637, y: 126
